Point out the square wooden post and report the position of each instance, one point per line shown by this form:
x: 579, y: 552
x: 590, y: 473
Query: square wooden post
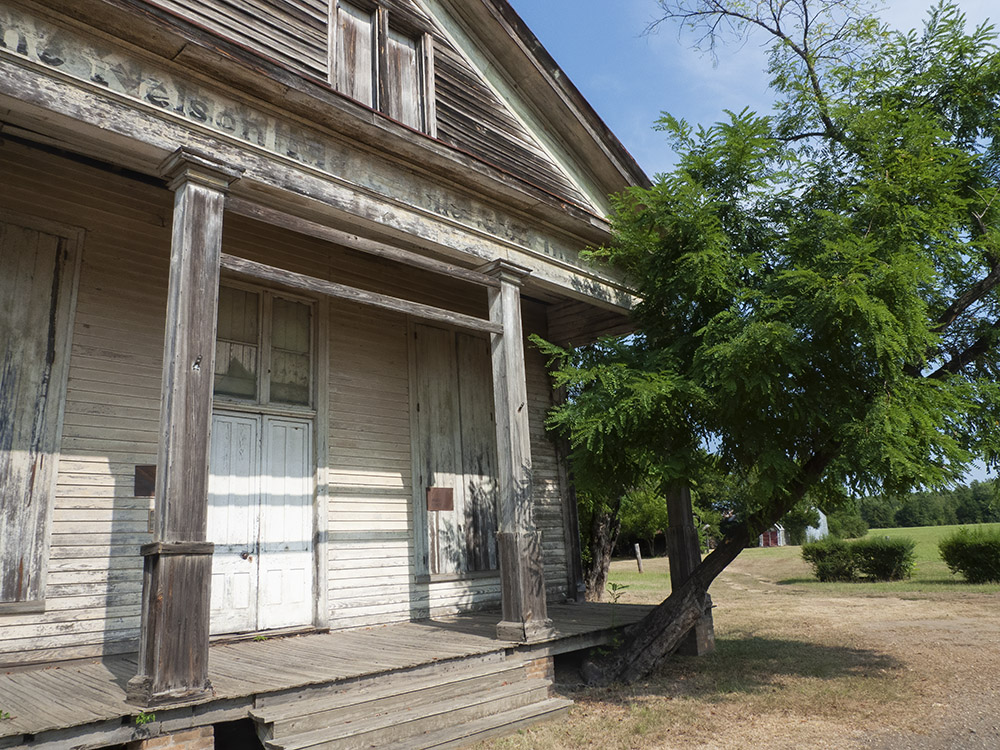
x: 522, y: 579
x: 684, y: 551
x: 177, y: 566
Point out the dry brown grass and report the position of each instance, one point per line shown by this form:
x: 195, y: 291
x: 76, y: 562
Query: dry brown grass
x: 802, y: 665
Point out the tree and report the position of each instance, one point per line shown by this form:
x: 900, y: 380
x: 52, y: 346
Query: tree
x: 615, y: 450
x: 819, y: 309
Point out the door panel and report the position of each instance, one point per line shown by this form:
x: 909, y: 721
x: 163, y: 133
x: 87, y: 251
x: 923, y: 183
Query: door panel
x: 456, y: 447
x: 233, y: 503
x: 35, y: 286
x: 439, y: 449
x: 286, y: 524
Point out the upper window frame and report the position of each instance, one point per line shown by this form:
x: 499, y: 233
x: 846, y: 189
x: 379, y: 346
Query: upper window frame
x: 384, y: 23
x: 261, y: 401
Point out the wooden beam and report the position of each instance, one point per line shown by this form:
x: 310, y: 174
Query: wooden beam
x: 522, y: 576
x: 342, y: 291
x: 284, y: 220
x: 177, y: 567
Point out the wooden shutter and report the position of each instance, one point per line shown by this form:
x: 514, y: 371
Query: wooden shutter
x: 36, y: 282
x: 456, y: 448
x: 355, y: 53
x: 401, y: 84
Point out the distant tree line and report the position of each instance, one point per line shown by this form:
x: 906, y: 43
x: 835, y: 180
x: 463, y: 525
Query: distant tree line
x: 643, y: 514
x: 978, y: 502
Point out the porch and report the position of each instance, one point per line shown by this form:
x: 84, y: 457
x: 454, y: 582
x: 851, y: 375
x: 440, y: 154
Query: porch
x: 82, y: 704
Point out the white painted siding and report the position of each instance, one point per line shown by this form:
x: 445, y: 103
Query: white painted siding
x: 112, y: 412
x: 112, y: 405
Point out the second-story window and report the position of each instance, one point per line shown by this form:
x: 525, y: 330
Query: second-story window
x: 380, y: 64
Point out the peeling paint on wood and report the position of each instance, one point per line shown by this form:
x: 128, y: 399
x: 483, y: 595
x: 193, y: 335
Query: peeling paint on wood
x: 36, y: 273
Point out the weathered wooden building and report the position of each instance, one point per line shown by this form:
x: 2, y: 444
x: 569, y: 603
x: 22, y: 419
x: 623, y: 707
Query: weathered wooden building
x: 267, y: 273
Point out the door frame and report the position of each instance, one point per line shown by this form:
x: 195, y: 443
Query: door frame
x: 320, y: 414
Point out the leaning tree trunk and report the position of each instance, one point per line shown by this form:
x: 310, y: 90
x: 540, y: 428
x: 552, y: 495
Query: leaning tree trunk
x: 654, y: 638
x: 650, y: 641
x: 604, y: 528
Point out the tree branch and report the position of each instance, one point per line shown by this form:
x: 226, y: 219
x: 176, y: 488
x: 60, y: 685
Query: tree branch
x: 970, y: 354
x: 972, y: 295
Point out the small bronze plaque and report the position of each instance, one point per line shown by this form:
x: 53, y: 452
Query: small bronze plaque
x: 145, y: 480
x: 440, y: 498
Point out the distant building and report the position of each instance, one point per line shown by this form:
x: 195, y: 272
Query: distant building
x: 773, y: 537
x: 820, y: 531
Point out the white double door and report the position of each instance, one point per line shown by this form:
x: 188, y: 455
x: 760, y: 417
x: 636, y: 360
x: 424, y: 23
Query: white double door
x: 260, y: 517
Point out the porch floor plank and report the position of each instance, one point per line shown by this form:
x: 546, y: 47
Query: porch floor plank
x: 59, y: 696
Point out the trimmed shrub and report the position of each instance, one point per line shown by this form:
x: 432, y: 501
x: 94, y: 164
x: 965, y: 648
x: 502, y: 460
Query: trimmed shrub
x: 831, y: 559
x: 880, y: 558
x: 974, y: 553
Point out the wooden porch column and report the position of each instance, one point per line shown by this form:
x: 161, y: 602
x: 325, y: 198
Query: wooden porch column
x: 173, y: 647
x: 684, y: 552
x: 525, y: 616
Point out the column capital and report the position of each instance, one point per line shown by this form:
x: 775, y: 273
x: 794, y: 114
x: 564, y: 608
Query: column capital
x: 504, y: 270
x: 189, y: 165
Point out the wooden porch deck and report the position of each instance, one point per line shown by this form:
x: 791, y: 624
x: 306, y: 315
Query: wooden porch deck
x: 82, y: 704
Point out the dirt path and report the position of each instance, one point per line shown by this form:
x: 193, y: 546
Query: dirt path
x: 797, y: 668
x: 934, y: 660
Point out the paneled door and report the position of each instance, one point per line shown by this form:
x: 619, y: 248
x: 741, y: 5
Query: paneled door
x: 261, y: 521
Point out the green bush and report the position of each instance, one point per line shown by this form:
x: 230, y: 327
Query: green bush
x: 883, y: 559
x: 973, y: 553
x: 831, y: 559
x: 875, y: 558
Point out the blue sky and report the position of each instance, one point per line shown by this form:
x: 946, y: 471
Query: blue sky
x: 630, y: 77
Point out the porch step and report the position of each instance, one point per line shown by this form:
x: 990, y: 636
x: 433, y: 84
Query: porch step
x: 439, y: 707
x: 495, y: 725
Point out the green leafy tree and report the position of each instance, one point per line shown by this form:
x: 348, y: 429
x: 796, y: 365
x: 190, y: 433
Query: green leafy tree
x: 819, y: 305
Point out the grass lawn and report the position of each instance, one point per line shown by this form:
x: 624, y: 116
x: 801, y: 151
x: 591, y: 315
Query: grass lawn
x: 804, y: 664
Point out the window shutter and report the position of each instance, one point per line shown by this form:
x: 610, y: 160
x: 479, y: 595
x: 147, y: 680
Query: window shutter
x: 402, y: 80
x: 35, y: 286
x: 355, y: 50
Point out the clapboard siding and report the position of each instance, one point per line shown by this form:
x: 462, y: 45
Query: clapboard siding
x: 371, y: 537
x: 468, y: 112
x: 472, y: 117
x: 111, y: 410
x: 111, y: 421
x: 548, y: 492
x: 292, y: 32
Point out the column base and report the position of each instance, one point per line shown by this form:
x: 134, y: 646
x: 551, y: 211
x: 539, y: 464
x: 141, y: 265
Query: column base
x: 173, y: 645
x: 532, y: 631
x: 140, y: 692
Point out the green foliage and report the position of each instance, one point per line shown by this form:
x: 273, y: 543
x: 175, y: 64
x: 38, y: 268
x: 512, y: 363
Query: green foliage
x: 875, y: 558
x: 797, y: 520
x: 819, y: 309
x: 974, y: 553
x: 974, y: 503
x: 143, y: 718
x: 880, y: 558
x: 847, y: 523
x: 4, y: 715
x: 831, y: 559
x: 643, y: 515
x: 818, y: 287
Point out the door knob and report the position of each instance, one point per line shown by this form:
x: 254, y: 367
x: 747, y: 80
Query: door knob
x: 245, y: 555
